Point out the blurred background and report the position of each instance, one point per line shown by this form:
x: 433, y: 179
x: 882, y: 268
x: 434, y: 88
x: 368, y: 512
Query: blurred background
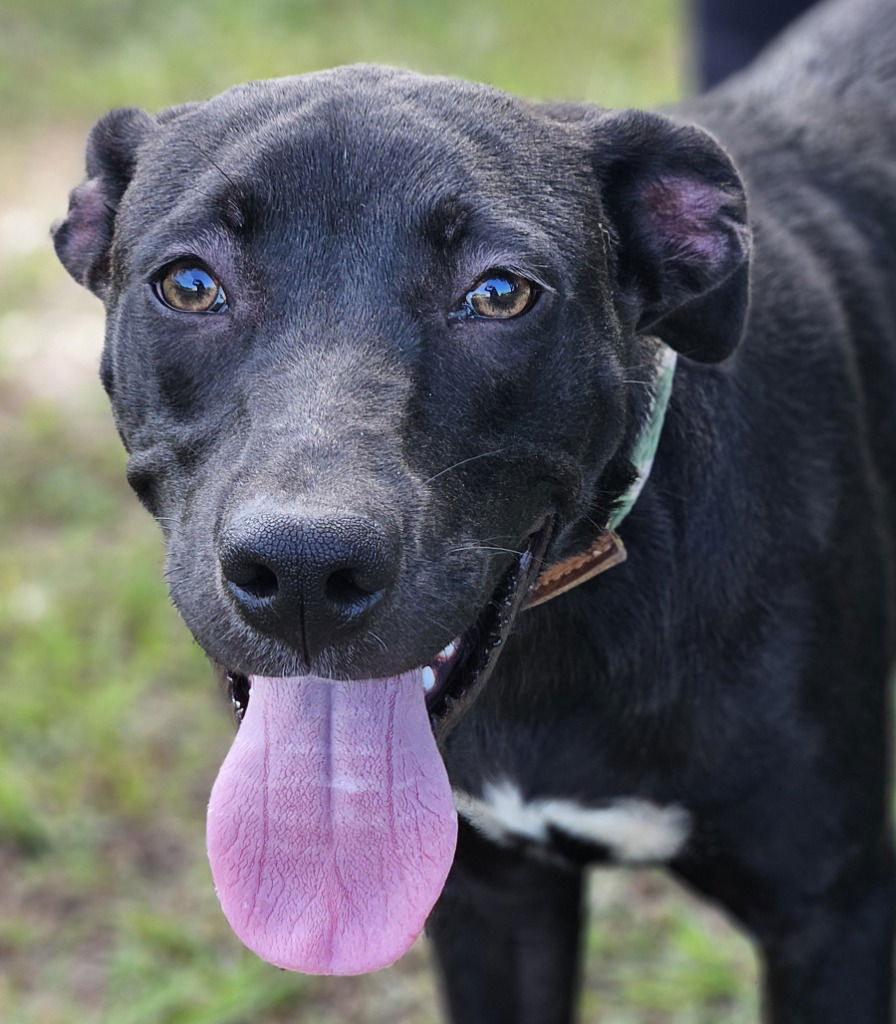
x: 111, y: 727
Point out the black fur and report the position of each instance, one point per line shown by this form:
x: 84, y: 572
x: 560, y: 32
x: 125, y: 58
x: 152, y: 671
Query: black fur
x: 736, y: 664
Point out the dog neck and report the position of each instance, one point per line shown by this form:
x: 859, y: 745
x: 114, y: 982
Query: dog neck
x: 608, y: 550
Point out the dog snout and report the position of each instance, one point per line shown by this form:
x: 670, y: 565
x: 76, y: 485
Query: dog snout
x: 310, y: 581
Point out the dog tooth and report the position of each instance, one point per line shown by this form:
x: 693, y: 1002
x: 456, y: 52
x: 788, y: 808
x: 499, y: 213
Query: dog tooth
x: 429, y: 678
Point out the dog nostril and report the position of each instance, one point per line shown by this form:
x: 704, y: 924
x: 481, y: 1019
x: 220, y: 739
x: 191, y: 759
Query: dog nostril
x: 342, y: 588
x: 255, y: 579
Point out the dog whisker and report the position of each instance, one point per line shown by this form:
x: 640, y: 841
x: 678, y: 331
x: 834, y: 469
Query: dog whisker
x: 462, y: 462
x: 436, y: 622
x: 381, y: 643
x: 483, y: 547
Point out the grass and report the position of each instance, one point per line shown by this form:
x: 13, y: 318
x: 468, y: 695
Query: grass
x: 111, y: 729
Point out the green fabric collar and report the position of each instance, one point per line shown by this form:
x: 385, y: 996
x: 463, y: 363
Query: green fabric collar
x: 608, y: 550
x: 647, y: 442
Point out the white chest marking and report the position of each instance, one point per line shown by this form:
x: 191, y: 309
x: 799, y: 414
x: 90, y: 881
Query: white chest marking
x: 634, y: 830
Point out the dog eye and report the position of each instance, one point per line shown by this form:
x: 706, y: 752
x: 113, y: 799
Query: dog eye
x: 187, y: 286
x: 499, y: 295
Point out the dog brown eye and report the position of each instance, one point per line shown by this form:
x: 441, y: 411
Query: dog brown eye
x: 500, y: 295
x: 188, y: 287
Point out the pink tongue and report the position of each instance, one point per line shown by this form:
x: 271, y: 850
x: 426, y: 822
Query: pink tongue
x: 331, y: 826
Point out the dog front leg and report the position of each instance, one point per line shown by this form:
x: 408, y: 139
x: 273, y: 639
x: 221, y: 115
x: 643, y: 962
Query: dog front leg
x: 826, y: 946
x: 506, y: 933
x: 837, y: 964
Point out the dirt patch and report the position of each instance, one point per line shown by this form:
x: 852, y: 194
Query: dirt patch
x: 50, y: 329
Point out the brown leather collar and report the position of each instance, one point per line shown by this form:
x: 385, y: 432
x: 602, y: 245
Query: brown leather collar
x: 607, y: 551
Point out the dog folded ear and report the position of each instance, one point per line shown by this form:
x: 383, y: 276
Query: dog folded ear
x: 83, y: 239
x: 679, y: 213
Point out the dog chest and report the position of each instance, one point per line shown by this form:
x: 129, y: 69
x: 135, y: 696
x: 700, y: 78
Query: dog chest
x: 628, y: 829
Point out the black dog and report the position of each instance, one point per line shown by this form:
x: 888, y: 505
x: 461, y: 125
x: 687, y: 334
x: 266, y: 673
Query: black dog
x: 381, y: 347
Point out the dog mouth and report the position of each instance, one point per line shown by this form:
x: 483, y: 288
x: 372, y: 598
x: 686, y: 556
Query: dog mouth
x: 331, y: 825
x: 454, y: 678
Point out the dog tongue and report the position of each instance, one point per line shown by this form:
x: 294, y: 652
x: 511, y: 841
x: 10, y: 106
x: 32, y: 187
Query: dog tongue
x: 331, y: 826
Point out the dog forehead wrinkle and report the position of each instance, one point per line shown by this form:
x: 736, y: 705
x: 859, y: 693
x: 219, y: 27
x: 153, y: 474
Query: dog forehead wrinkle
x: 365, y: 125
x: 329, y: 204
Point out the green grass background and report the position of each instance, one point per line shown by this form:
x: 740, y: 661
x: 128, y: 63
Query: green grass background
x: 111, y: 729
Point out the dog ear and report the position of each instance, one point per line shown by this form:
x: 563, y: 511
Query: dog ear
x: 83, y: 239
x: 679, y: 213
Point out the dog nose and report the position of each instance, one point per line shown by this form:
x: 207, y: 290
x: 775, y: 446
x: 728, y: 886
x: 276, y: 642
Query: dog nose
x: 309, y: 581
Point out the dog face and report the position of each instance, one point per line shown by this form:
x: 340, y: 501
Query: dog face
x: 369, y: 335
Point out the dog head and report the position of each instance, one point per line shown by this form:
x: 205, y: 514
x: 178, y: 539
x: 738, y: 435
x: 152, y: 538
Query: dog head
x: 368, y: 341
x: 368, y: 331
